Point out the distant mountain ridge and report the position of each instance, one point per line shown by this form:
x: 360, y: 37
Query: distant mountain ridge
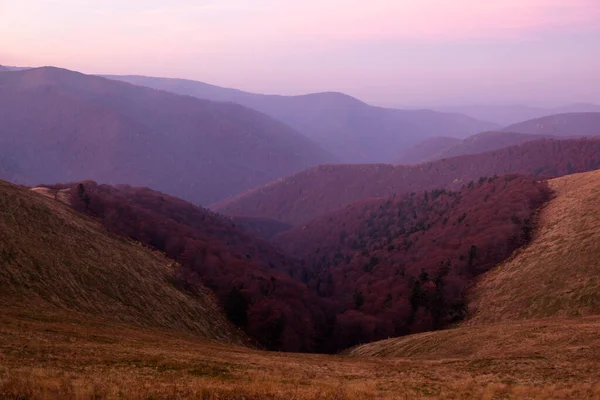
x: 568, y: 124
x: 511, y: 114
x: 60, y: 125
x: 424, y: 150
x: 345, y: 126
x: 559, y: 126
x: 438, y: 148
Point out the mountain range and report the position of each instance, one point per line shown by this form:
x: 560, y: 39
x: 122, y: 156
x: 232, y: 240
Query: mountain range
x: 348, y: 128
x: 59, y: 125
x: 558, y: 126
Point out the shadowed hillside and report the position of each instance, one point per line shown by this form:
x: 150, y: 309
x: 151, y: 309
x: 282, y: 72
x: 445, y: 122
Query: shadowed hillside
x: 257, y: 285
x: 352, y: 130
x: 53, y: 259
x: 59, y: 126
x: 301, y: 197
x: 263, y: 228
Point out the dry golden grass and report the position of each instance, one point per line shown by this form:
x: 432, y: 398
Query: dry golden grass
x: 49, y: 252
x: 559, y: 273
x: 47, y: 355
x: 62, y: 195
x: 547, y: 338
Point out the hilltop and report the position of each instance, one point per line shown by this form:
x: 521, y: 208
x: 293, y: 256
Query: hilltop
x: 55, y: 261
x: 73, y: 127
x: 301, y: 197
x: 355, y: 132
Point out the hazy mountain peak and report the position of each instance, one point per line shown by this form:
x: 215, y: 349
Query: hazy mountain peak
x: 347, y: 127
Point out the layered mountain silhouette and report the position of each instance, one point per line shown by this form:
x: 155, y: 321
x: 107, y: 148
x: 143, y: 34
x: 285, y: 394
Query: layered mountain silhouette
x: 438, y: 148
x: 571, y: 124
x: 551, y: 127
x: 59, y: 125
x: 511, y: 114
x: 347, y: 127
x: 424, y: 150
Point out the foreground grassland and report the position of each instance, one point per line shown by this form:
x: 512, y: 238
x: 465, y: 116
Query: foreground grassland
x: 45, y: 354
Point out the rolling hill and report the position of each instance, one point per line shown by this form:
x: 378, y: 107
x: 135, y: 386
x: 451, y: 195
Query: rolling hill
x: 422, y: 151
x: 480, y: 143
x: 512, y: 114
x: 301, y: 197
x: 558, y: 126
x: 55, y: 261
x: 350, y: 129
x: 543, y: 302
x: 59, y: 125
x: 572, y: 124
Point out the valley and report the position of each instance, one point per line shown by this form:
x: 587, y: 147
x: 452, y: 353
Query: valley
x: 50, y: 351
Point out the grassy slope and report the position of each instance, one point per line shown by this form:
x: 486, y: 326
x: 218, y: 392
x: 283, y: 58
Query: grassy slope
x: 559, y: 273
x: 531, y: 305
x: 50, y: 256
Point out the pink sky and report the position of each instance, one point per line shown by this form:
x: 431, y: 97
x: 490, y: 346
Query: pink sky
x: 404, y: 51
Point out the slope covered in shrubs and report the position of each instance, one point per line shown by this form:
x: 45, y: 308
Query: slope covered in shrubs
x: 401, y: 264
x: 374, y: 269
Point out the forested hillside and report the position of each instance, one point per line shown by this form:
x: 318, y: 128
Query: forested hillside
x: 303, y: 196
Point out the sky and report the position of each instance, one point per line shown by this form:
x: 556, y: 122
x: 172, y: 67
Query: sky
x: 408, y: 53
